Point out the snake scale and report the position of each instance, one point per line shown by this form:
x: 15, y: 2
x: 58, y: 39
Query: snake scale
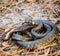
x: 33, y: 33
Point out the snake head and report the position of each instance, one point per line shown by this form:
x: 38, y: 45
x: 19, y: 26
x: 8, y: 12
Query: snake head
x: 29, y: 21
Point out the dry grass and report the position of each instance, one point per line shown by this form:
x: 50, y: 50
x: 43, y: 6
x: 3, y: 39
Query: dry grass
x: 47, y: 7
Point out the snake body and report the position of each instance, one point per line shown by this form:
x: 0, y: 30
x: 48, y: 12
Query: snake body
x: 22, y: 28
x: 37, y: 35
x: 34, y: 38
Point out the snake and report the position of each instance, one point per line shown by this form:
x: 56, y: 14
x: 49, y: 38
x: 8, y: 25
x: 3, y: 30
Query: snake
x: 35, y: 37
x: 21, y: 28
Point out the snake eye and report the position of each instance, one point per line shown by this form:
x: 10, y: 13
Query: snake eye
x: 34, y: 22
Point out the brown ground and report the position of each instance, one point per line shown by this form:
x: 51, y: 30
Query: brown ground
x: 13, y: 11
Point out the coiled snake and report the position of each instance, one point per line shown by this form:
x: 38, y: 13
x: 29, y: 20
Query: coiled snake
x: 32, y: 34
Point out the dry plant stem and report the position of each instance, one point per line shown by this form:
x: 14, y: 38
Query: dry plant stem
x: 49, y: 45
x: 50, y: 6
x: 11, y: 26
x: 10, y: 4
x: 11, y: 11
x: 31, y: 1
x: 2, y: 29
